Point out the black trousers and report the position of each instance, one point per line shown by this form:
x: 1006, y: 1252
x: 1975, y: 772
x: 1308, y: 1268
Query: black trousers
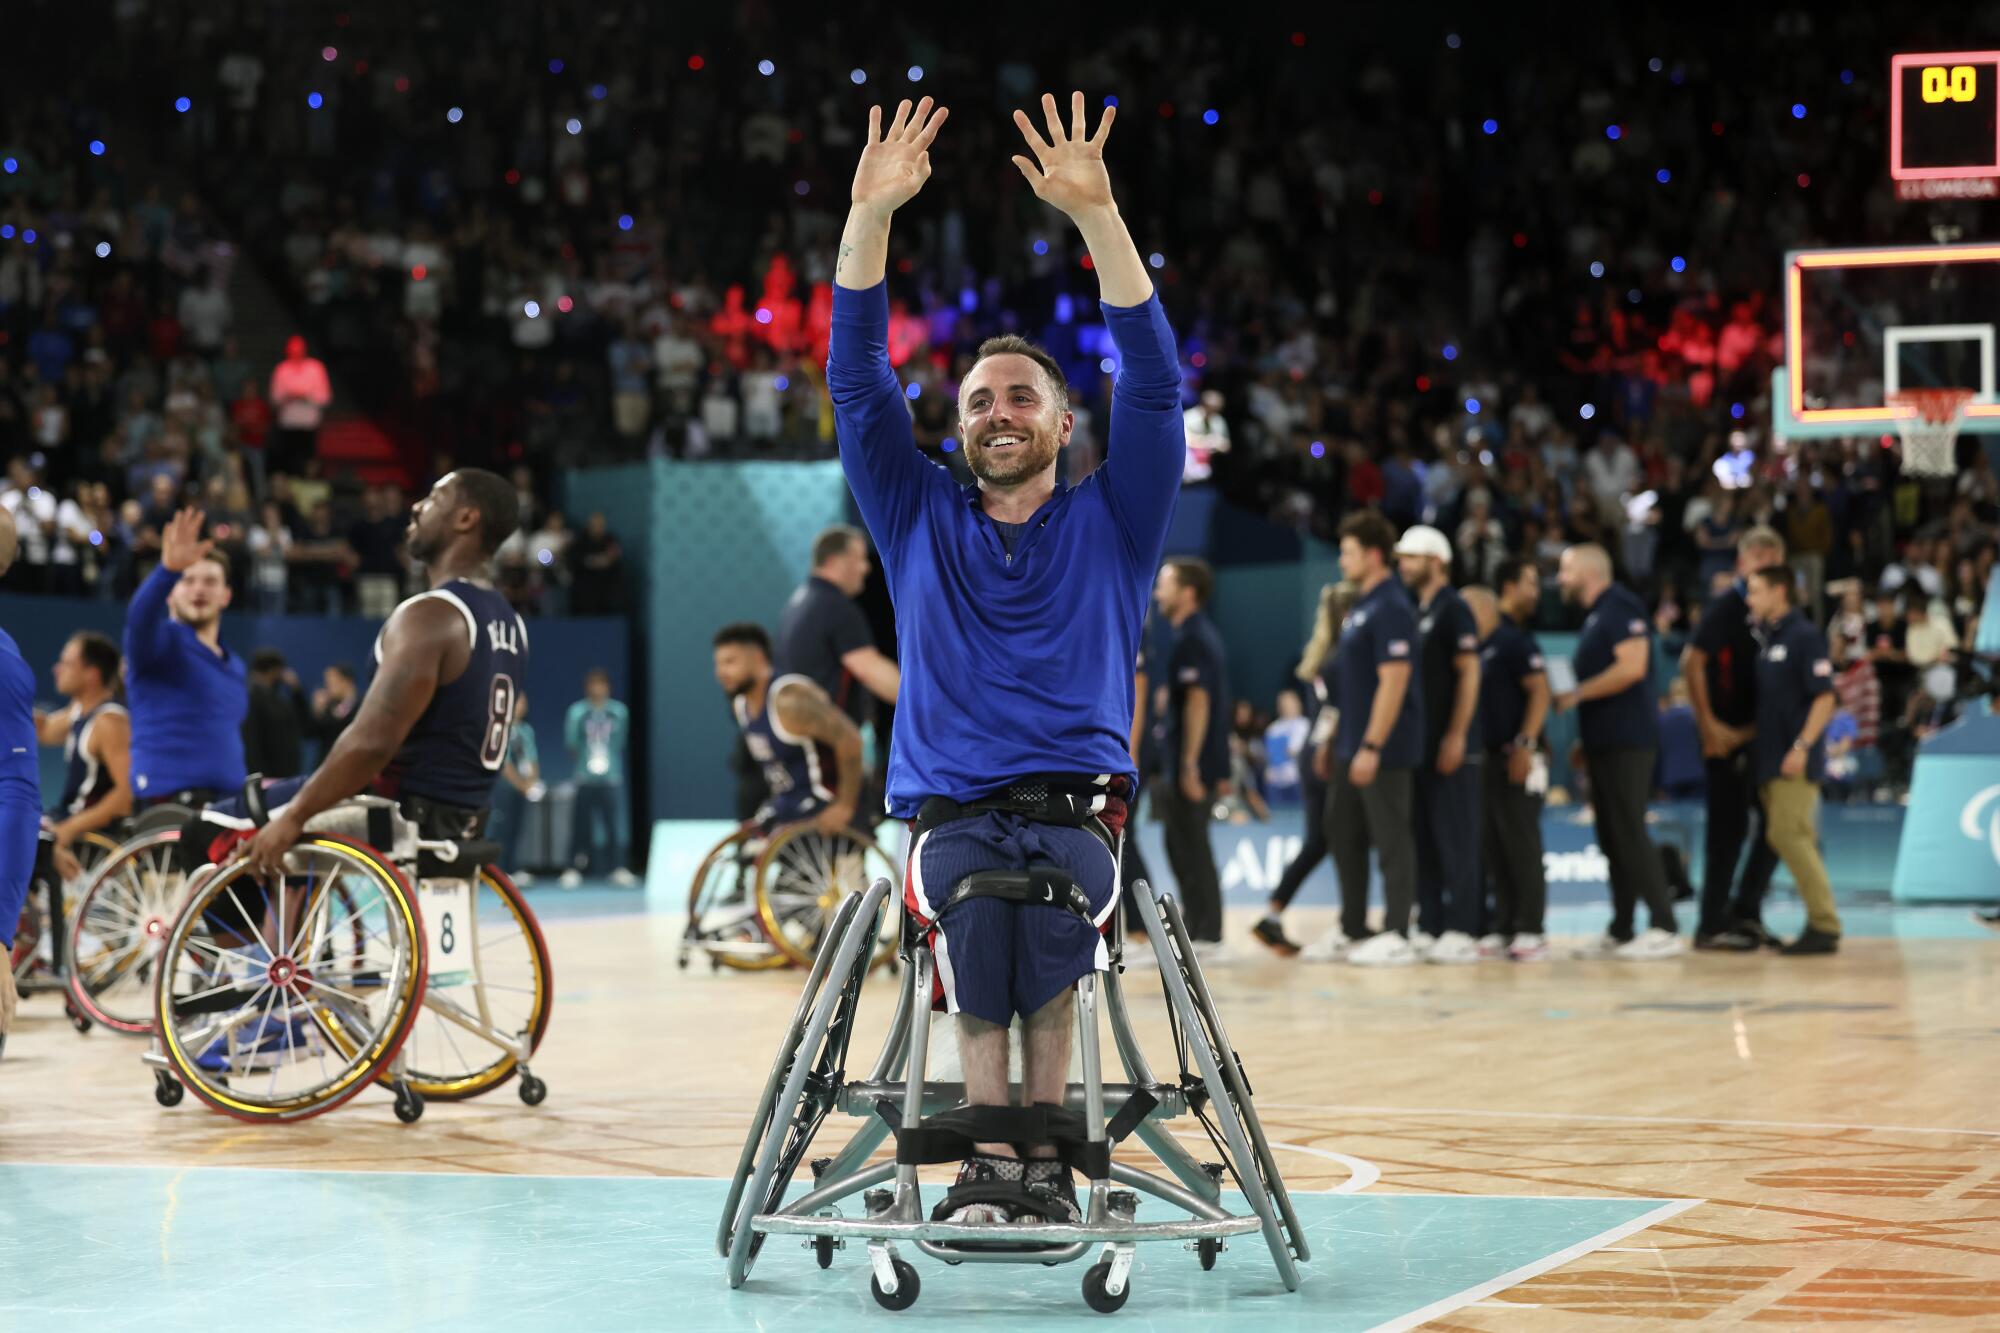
x: 1377, y: 815
x: 1192, y: 857
x: 1449, y: 885
x: 1312, y: 796
x: 1735, y: 814
x: 1513, y: 846
x: 1621, y: 780
x: 1131, y: 867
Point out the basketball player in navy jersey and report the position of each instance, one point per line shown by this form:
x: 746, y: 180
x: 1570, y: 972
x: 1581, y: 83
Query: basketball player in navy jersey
x: 787, y: 722
x: 96, y: 735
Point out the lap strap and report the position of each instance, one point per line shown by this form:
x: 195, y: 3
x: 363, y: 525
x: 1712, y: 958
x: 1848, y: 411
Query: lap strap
x: 1051, y: 886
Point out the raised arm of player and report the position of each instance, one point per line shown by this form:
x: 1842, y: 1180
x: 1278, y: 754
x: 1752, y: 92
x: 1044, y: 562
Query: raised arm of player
x: 803, y: 710
x: 420, y: 645
x: 1068, y: 173
x: 147, y: 642
x: 894, y: 165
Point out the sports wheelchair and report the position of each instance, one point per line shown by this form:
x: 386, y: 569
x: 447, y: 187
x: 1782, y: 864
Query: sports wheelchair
x: 809, y: 1081
x: 379, y: 956
x: 761, y: 899
x: 40, y: 960
x: 113, y: 936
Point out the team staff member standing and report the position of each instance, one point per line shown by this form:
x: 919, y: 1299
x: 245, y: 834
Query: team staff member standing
x: 1377, y: 743
x: 1513, y: 703
x: 1197, y: 742
x: 1620, y: 729
x: 1449, y: 891
x: 187, y: 692
x: 1795, y: 701
x: 1720, y: 667
x: 823, y: 636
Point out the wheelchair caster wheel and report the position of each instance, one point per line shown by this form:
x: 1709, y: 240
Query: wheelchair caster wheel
x: 77, y: 1018
x: 1094, y: 1294
x: 823, y: 1251
x: 167, y: 1090
x: 1206, y: 1250
x: 906, y: 1288
x: 534, y: 1091
x: 409, y: 1107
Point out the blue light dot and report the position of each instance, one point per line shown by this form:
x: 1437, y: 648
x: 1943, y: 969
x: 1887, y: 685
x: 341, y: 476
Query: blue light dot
x: 1451, y: 40
x: 1596, y: 268
x: 598, y: 92
x: 1663, y: 175
x: 624, y: 222
x: 546, y: 556
x: 1156, y: 259
x: 1041, y: 247
x: 96, y: 537
x: 1678, y: 264
x: 7, y: 232
x: 1472, y: 406
x: 800, y: 187
x: 10, y: 166
x: 1111, y: 99
x: 915, y: 73
x: 764, y: 317
x: 1107, y: 365
x: 1587, y: 411
x: 455, y: 115
x: 104, y: 249
x: 1319, y: 448
x: 1450, y: 352
x: 555, y: 66
x: 857, y: 76
x: 97, y: 148
x: 1656, y: 64
x: 181, y: 104
x: 949, y: 444
x: 29, y: 236
x: 532, y: 309
x: 573, y: 125
x: 1736, y: 411
x: 314, y: 100
x: 1210, y: 116
x: 766, y: 68
x: 910, y: 391
x: 1633, y: 295
x: 1489, y: 126
x: 1612, y: 132
x: 781, y: 383
x: 1847, y: 76
x: 1798, y: 111
x: 968, y: 299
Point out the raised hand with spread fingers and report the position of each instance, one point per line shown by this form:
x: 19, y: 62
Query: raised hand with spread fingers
x: 894, y: 165
x: 1068, y: 173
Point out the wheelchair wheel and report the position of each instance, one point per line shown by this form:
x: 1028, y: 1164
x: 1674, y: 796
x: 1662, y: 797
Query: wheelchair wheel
x: 510, y: 990
x: 277, y: 1003
x: 804, y: 1083
x: 722, y: 909
x: 116, y: 930
x: 802, y: 876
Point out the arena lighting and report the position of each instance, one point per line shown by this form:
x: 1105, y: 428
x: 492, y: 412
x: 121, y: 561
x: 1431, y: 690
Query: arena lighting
x: 914, y: 74
x: 418, y: 272
x: 1210, y: 116
x: 1451, y: 40
x: 801, y: 188
x: 1065, y: 308
x: 696, y: 63
x: 1612, y: 132
x: 781, y: 383
x: 1678, y: 264
x: 1587, y: 411
x: 1634, y: 295
x: 97, y: 148
x: 564, y: 304
x: 1847, y: 76
x: 573, y: 125
x: 763, y: 314
x: 1663, y: 175
x: 968, y: 300
x: 29, y: 236
x: 555, y: 66
x: 1656, y: 64
x: 104, y: 249
x: 1736, y: 411
x: 1041, y: 247
x: 1596, y: 268
x: 1450, y: 352
x: 766, y: 68
x: 1107, y: 365
x: 1111, y: 99
x: 1319, y: 449
x: 314, y: 100
x: 531, y: 309
x: 181, y: 104
x: 913, y: 391
x: 10, y: 166
x: 1156, y: 259
x: 949, y: 444
x: 598, y: 92
x: 624, y: 222
x: 455, y: 115
x: 1798, y: 111
x: 329, y: 54
x: 1472, y: 406
x: 7, y: 232
x: 1490, y: 126
x: 857, y: 76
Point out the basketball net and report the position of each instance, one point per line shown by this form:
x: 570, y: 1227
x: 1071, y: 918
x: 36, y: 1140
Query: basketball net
x: 1928, y: 420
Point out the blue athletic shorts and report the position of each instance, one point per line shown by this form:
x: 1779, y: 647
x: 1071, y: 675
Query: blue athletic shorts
x: 997, y: 958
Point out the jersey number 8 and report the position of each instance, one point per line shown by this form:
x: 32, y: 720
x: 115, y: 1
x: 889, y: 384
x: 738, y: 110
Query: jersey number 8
x: 499, y: 722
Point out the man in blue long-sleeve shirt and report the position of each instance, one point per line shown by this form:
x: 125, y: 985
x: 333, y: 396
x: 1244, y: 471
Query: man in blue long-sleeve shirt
x: 186, y: 692
x: 1019, y: 603
x: 20, y: 789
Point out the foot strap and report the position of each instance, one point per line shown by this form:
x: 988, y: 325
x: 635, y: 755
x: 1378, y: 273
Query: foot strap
x: 952, y: 1136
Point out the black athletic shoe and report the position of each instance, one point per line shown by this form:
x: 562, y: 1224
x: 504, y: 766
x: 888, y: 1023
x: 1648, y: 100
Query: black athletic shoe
x: 1756, y: 931
x: 1272, y: 936
x: 1989, y: 917
x: 1728, y: 941
x: 1811, y: 942
x: 1050, y: 1182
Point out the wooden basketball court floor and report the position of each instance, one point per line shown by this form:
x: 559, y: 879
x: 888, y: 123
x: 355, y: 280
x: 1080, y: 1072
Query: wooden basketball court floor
x: 1709, y: 1141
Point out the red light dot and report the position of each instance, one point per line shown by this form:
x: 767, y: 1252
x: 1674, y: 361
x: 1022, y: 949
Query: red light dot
x: 1804, y: 180
x: 1166, y: 110
x: 696, y: 62
x: 1374, y: 196
x: 564, y: 304
x: 904, y: 265
x: 1087, y: 263
x: 1198, y: 360
x: 340, y: 20
x: 1298, y: 39
x: 1715, y: 128
x: 417, y: 272
x: 513, y: 176
x: 1847, y: 338
x: 1520, y: 240
x: 676, y: 301
x: 795, y: 135
x: 1423, y: 384
x: 402, y: 85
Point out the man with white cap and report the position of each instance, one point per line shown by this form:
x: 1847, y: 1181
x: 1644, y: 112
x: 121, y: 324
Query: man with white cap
x: 1448, y: 776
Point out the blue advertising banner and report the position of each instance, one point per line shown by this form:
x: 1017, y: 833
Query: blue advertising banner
x: 1951, y: 835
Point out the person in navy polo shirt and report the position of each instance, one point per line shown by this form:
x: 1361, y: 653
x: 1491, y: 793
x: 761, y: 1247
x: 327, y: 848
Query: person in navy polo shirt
x: 1196, y: 757
x: 1514, y: 703
x: 1370, y: 761
x: 1620, y: 729
x: 1019, y: 602
x: 1795, y: 701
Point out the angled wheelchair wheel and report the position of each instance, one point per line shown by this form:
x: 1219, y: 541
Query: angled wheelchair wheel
x: 509, y: 988
x: 722, y: 909
x: 116, y: 929
x: 805, y: 1080
x: 802, y: 876
x: 279, y: 1002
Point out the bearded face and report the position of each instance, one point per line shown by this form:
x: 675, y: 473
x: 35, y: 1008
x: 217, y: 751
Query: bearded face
x: 1012, y: 420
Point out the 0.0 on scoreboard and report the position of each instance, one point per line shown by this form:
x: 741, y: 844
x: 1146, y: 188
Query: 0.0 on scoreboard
x: 1944, y: 123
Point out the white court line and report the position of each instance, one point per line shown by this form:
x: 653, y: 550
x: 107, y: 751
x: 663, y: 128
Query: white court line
x: 1628, y: 1119
x: 1361, y: 1173
x: 1459, y: 1300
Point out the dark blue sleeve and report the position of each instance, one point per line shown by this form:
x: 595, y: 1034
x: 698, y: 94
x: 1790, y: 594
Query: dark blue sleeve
x: 1146, y: 444
x: 1461, y: 630
x: 1717, y: 624
x: 878, y: 447
x: 1815, y: 668
x: 1392, y: 633
x: 1201, y: 666
x: 149, y: 642
x: 1527, y: 654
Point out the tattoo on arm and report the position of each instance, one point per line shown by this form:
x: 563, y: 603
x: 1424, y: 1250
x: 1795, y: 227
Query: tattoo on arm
x: 841, y: 263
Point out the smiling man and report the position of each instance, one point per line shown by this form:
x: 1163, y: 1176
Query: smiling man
x: 1019, y: 603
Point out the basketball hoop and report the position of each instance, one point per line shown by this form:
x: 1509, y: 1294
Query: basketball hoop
x: 1928, y: 420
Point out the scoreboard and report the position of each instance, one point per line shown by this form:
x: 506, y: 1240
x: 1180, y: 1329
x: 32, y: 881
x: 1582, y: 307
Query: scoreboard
x: 1944, y: 124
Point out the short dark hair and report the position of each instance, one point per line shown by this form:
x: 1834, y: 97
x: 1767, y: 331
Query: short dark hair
x: 216, y: 556
x: 1374, y: 532
x: 834, y: 542
x: 1508, y: 572
x: 744, y: 632
x: 1778, y: 576
x: 1194, y: 574
x: 597, y: 673
x: 345, y: 670
x: 99, y: 653
x: 267, y: 659
x: 1014, y: 344
x: 499, y: 505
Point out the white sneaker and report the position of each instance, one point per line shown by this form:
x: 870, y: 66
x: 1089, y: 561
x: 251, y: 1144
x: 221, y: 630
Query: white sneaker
x: 1422, y: 943
x: 1529, y: 949
x: 624, y: 878
x: 1604, y: 946
x: 571, y: 878
x: 1454, y: 946
x: 1652, y: 944
x: 1385, y: 950
x: 523, y: 878
x: 1328, y: 948
x: 1492, y: 946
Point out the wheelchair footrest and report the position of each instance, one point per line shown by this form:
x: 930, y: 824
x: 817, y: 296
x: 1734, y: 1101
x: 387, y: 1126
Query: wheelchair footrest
x: 1013, y: 1233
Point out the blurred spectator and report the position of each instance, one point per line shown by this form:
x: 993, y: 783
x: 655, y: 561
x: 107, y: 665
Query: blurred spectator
x: 1284, y: 748
x: 376, y: 539
x: 598, y: 576
x: 1682, y: 776
x: 274, y: 726
x: 333, y: 705
x: 596, y: 732
x: 300, y: 394
x: 520, y: 787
